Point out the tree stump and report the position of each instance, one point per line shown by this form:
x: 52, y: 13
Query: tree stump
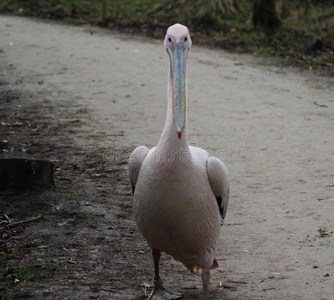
x: 25, y: 173
x: 265, y: 14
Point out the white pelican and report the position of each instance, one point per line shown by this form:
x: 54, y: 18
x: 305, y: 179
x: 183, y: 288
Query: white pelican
x: 180, y: 192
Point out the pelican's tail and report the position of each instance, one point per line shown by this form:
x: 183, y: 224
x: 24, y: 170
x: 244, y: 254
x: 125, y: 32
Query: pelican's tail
x: 196, y: 268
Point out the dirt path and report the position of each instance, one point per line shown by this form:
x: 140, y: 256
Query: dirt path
x: 86, y: 97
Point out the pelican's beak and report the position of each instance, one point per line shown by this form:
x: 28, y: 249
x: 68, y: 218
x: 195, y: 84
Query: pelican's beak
x: 178, y: 60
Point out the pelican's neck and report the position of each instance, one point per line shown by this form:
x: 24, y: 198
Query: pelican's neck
x: 169, y: 139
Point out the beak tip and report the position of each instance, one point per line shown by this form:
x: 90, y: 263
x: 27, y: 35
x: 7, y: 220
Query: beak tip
x: 179, y: 134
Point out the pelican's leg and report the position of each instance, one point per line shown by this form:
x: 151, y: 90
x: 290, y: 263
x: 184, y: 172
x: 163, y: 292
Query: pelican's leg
x: 206, y: 281
x: 159, y: 291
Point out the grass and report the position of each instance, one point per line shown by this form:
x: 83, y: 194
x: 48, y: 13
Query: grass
x: 4, y: 256
x: 4, y: 139
x: 306, y: 37
x: 13, y: 276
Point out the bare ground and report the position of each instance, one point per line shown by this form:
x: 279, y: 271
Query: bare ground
x: 84, y: 98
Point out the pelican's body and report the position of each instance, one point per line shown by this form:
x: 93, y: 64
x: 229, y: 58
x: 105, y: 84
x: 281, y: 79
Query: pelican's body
x: 183, y: 219
x: 180, y: 192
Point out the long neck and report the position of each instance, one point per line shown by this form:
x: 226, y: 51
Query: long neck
x: 169, y: 139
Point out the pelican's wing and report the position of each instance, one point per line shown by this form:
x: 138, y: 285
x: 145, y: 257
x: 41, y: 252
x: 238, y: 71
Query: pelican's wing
x: 218, y: 178
x: 137, y: 157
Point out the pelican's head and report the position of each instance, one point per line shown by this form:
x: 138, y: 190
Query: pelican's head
x: 178, y: 43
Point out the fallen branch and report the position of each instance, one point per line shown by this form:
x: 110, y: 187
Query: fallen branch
x: 15, y: 224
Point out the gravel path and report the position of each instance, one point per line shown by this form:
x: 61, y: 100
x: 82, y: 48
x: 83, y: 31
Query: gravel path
x: 273, y: 127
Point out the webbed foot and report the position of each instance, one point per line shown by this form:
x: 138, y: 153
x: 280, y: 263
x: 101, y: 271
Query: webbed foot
x: 163, y: 293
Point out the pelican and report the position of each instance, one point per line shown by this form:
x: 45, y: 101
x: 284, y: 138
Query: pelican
x: 180, y: 191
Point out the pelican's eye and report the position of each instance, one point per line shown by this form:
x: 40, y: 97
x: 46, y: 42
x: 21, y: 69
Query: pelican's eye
x: 185, y: 39
x: 169, y: 39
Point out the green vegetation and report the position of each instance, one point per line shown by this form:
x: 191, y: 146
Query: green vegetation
x: 4, y: 256
x: 3, y: 139
x: 13, y: 276
x: 305, y: 36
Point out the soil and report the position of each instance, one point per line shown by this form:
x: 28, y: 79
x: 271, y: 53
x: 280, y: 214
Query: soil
x: 85, y: 97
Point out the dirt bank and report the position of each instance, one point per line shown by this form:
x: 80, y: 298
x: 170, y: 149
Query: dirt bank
x: 84, y: 98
